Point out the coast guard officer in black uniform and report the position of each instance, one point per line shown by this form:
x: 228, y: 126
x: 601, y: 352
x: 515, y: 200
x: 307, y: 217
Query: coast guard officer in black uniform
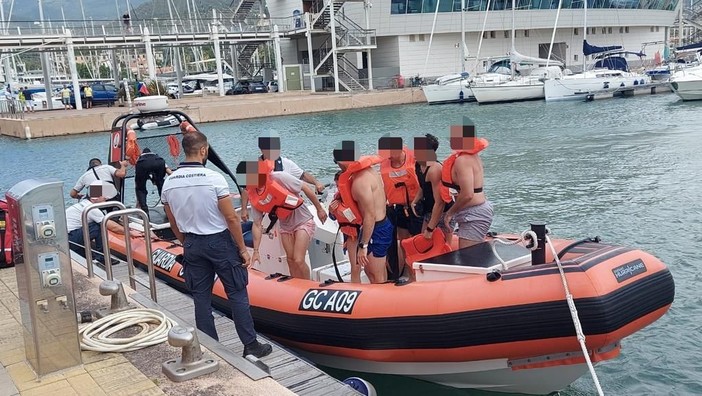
x: 202, y: 217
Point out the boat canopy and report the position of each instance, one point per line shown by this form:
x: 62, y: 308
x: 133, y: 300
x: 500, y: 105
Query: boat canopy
x: 592, y: 49
x: 690, y: 47
x: 613, y: 63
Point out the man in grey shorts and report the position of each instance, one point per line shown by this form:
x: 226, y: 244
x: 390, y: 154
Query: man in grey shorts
x: 462, y: 183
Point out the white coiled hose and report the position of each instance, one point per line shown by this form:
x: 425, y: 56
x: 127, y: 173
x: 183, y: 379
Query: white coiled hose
x: 96, y: 336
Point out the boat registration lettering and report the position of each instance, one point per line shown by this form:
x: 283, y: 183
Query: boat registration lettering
x: 163, y: 259
x: 332, y: 301
x: 629, y: 270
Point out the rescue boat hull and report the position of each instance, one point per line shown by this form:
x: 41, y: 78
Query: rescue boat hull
x: 514, y: 334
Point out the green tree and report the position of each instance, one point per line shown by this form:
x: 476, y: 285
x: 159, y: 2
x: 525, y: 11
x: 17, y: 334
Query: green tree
x: 105, y: 72
x: 83, y: 71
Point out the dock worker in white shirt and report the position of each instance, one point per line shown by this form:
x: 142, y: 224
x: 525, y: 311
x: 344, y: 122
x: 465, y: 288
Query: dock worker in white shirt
x: 98, y: 171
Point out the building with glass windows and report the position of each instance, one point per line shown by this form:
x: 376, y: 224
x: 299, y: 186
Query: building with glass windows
x: 403, y: 30
x: 362, y: 44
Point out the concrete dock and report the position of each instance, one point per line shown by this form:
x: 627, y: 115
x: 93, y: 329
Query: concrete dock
x: 139, y: 372
x: 210, y: 108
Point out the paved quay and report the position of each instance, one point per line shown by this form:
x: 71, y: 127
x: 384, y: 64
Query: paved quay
x: 139, y: 372
x: 209, y: 108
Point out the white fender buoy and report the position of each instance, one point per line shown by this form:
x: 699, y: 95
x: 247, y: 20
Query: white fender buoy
x: 362, y: 386
x: 27, y: 133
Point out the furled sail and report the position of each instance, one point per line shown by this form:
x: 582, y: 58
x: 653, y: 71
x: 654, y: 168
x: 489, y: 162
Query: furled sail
x: 516, y: 57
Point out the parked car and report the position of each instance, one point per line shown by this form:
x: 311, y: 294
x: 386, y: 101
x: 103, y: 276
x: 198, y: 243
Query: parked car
x: 272, y: 86
x: 102, y: 94
x: 173, y: 89
x: 257, y: 87
x: 241, y: 87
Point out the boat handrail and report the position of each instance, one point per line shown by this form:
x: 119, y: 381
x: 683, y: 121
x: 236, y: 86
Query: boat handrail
x: 124, y: 213
x: 86, y: 230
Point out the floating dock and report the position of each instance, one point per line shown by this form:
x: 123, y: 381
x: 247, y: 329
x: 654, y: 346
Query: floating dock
x: 139, y: 372
x: 624, y: 92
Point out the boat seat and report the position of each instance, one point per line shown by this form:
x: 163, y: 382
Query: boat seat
x: 476, y: 259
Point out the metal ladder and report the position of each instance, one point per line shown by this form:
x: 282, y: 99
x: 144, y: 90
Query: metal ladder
x: 124, y: 213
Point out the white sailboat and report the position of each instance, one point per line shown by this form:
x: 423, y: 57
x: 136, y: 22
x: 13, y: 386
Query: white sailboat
x: 518, y: 88
x: 456, y: 88
x: 452, y: 88
x: 610, y: 72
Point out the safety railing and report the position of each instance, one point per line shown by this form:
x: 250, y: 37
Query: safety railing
x: 156, y: 26
x: 86, y: 230
x: 124, y: 213
x: 12, y: 108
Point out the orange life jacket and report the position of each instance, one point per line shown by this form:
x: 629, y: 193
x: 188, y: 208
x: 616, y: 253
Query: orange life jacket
x: 351, y: 213
x: 401, y: 184
x: 447, y: 183
x: 345, y: 225
x: 186, y: 127
x: 274, y: 199
x: 132, y: 150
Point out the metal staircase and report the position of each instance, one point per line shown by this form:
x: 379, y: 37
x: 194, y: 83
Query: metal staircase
x: 244, y: 59
x: 243, y: 9
x: 347, y: 37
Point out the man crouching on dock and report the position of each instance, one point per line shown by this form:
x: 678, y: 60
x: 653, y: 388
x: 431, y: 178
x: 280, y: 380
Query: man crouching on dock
x: 361, y: 193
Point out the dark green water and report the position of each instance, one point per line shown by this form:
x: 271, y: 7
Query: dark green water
x: 625, y: 169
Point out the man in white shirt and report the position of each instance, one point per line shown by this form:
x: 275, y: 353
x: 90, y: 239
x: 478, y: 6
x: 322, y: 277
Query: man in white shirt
x: 269, y: 144
x: 202, y: 217
x: 98, y: 171
x: 74, y: 221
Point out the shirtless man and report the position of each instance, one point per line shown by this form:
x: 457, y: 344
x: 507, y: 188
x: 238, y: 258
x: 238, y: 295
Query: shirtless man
x: 365, y: 190
x: 462, y: 183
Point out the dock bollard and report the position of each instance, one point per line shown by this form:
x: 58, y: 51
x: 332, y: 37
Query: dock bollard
x: 191, y: 364
x: 118, y: 301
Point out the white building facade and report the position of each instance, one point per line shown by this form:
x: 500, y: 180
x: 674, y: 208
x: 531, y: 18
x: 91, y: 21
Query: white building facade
x: 403, y: 31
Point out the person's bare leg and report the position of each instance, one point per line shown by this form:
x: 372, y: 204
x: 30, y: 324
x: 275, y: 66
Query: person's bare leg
x: 301, y: 241
x: 294, y: 267
x: 376, y: 269
x: 351, y: 247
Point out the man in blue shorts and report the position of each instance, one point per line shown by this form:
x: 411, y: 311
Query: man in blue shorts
x: 361, y: 190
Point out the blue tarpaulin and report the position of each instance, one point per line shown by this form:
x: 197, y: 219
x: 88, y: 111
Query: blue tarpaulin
x: 592, y: 49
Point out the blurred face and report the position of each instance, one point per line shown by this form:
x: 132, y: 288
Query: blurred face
x: 462, y: 137
x: 390, y: 147
x: 270, y: 147
x: 255, y: 176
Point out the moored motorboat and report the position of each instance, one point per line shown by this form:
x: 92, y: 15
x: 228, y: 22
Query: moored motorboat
x: 687, y: 83
x: 474, y: 318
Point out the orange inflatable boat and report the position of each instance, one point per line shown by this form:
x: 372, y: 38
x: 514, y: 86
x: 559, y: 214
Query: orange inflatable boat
x: 472, y: 318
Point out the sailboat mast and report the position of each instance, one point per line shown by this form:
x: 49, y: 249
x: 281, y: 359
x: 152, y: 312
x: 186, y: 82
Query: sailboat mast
x: 514, y: 5
x: 463, y: 36
x: 584, y: 32
x: 482, y: 31
x: 513, y: 49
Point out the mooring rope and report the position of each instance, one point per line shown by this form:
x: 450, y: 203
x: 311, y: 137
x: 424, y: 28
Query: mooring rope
x: 576, y: 321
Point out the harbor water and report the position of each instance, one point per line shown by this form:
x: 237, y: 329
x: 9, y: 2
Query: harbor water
x: 626, y: 170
